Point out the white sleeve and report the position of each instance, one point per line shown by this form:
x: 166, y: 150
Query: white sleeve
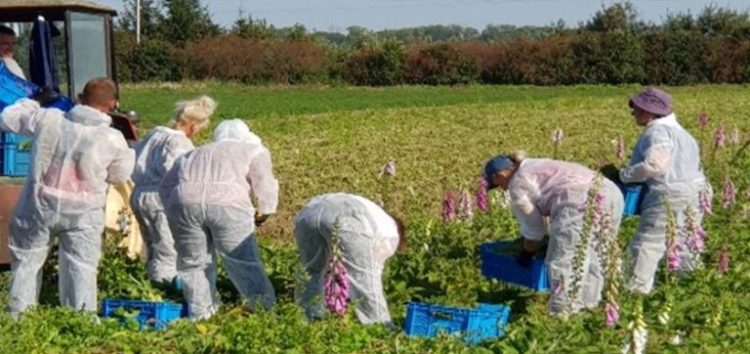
x: 524, y: 209
x: 23, y: 117
x: 655, y: 163
x: 174, y: 149
x: 265, y: 187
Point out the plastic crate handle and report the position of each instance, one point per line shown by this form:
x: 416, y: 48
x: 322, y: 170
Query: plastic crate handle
x: 443, y: 315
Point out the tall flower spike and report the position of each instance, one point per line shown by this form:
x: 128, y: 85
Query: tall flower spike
x: 336, y: 280
x: 723, y: 265
x: 730, y: 193
x: 465, y: 206
x: 703, y: 120
x: 636, y: 343
x: 720, y: 137
x: 734, y: 138
x: 705, y: 202
x: 483, y: 203
x: 449, y: 207
x: 557, y: 136
x: 673, y: 247
x: 620, y: 150
x: 592, y: 215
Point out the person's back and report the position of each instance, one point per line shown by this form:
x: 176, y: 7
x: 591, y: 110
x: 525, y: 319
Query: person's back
x: 155, y: 155
x: 221, y: 173
x: 684, y: 163
x: 73, y: 157
x: 549, y: 183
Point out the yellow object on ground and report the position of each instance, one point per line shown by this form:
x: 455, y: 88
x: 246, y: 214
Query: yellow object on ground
x: 119, y: 218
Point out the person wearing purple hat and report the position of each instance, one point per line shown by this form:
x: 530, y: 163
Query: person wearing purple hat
x: 544, y: 188
x: 666, y: 159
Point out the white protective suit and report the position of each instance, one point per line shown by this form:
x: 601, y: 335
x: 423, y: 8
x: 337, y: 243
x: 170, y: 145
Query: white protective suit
x: 206, y: 197
x: 368, y: 237
x: 667, y: 159
x: 155, y: 155
x: 73, y: 161
x: 556, y: 189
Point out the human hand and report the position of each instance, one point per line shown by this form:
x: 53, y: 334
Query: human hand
x: 45, y: 96
x: 525, y: 258
x: 611, y: 172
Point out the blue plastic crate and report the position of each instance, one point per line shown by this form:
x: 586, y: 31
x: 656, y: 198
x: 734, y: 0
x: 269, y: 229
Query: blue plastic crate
x: 16, y: 158
x: 150, y: 314
x: 13, y: 88
x: 633, y: 194
x: 500, y: 266
x: 484, y: 322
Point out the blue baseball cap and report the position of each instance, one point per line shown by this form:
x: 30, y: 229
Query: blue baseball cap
x: 495, y: 165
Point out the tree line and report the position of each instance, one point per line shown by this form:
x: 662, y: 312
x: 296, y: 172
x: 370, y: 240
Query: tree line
x: 180, y: 41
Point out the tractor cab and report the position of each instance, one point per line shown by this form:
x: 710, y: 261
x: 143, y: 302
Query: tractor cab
x: 63, y: 44
x: 60, y: 44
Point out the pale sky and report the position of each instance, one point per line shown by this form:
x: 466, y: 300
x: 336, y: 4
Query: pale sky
x: 336, y: 15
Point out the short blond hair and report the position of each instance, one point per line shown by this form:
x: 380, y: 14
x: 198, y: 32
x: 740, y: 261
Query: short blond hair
x: 196, y: 111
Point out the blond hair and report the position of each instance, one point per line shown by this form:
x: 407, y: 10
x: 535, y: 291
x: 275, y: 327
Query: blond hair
x: 196, y: 111
x: 98, y: 91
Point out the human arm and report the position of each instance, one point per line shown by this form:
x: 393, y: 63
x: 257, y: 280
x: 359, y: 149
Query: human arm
x: 265, y: 187
x: 657, y: 154
x: 23, y: 117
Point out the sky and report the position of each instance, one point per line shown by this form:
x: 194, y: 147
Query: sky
x: 337, y: 15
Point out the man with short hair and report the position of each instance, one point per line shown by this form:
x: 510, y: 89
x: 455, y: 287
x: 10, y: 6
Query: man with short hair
x: 75, y: 156
x: 8, y: 49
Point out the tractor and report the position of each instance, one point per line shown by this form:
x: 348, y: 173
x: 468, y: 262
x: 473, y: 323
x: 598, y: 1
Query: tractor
x: 80, y: 41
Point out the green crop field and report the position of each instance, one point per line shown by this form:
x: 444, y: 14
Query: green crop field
x: 325, y: 139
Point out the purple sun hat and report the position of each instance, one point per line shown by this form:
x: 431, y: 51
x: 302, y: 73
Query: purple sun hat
x: 653, y: 100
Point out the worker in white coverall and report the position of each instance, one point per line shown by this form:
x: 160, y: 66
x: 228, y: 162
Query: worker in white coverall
x: 368, y: 236
x: 74, y: 157
x: 155, y: 155
x: 8, y: 41
x: 558, y: 190
x: 667, y: 159
x: 207, y: 199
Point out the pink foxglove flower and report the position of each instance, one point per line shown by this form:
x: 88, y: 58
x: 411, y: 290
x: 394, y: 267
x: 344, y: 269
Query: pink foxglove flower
x: 705, y: 202
x: 673, y: 255
x: 611, y: 313
x: 465, y: 206
x: 723, y: 265
x: 483, y: 203
x: 720, y: 138
x: 730, y: 193
x: 336, y: 280
x: 557, y: 136
x: 449, y: 207
x: 734, y: 138
x: 336, y: 285
x: 389, y: 169
x: 703, y: 120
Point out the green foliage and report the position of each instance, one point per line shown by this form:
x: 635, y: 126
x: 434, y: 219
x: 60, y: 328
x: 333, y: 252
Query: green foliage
x: 376, y: 64
x: 336, y: 139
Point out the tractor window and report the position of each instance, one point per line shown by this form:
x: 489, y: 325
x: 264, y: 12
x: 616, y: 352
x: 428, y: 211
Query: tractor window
x: 88, y: 49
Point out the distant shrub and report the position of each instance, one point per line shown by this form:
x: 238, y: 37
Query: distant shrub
x: 375, y: 65
x: 441, y: 64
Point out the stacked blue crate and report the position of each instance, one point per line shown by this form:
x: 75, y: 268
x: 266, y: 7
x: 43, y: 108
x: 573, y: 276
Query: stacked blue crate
x: 16, y: 154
